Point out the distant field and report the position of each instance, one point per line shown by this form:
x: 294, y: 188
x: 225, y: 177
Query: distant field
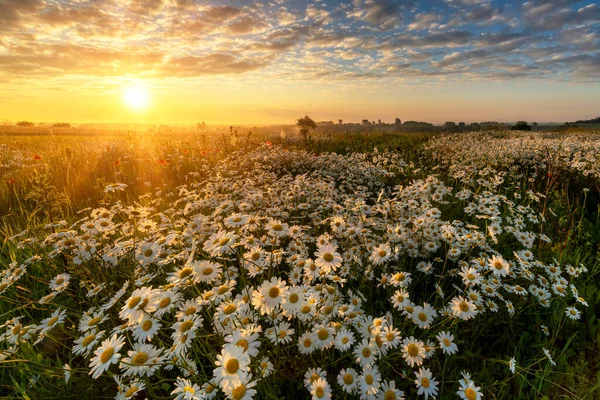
x: 373, y: 265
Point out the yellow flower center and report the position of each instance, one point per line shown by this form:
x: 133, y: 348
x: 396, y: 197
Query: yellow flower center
x: 369, y: 379
x: 348, y: 379
x: 320, y: 392
x: 323, y: 334
x: 140, y: 358
x: 147, y: 325
x: 87, y: 340
x: 232, y: 366
x: 243, y: 343
x: 239, y: 392
x: 186, y: 326
x: 382, y: 253
x: 60, y: 281
x: 293, y: 298
x: 328, y: 257
x: 107, y: 355
x: 412, y: 350
x: 389, y: 395
x: 464, y: 306
x: 366, y: 352
x: 470, y: 393
x: 425, y: 382
x: 274, y: 292
x: 422, y: 316
x: 184, y: 273
x: 131, y: 391
x: 133, y: 302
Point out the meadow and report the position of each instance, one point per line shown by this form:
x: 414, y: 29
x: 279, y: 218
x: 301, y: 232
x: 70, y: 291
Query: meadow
x: 359, y: 265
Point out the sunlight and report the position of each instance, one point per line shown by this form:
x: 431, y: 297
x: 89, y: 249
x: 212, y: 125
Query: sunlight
x: 136, y: 97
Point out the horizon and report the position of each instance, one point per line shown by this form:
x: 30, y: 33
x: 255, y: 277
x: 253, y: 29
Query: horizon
x: 266, y: 63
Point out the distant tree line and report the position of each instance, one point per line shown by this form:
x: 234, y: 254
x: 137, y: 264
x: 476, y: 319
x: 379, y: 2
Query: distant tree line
x: 585, y: 121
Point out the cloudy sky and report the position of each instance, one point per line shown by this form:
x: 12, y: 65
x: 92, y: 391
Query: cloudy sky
x: 272, y: 61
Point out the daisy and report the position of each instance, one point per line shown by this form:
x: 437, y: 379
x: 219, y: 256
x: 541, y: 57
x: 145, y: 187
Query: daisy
x: 369, y: 381
x: 142, y: 300
x: 294, y: 301
x: 231, y: 364
x: 186, y: 390
x: 446, y: 343
x: 265, y: 367
x: 206, y: 271
x: 425, y: 383
x: 468, y: 390
x: 344, y: 339
x: 56, y: 318
x: 243, y: 391
x: 463, y: 308
x: 327, y: 258
x: 320, y: 389
x: 105, y: 355
x: 348, y: 380
x: 399, y: 299
x: 366, y: 353
x: 323, y: 336
x: 306, y: 344
x: 391, y: 336
x: 143, y: 360
x: 168, y: 300
x: 60, y: 282
x: 247, y: 340
x: 512, y: 363
x: 146, y: 329
x: 572, y: 313
x: 498, y: 266
x: 312, y: 374
x: 270, y: 295
x: 85, y: 344
x: 381, y: 254
x: 413, y: 351
x: 423, y: 316
x: 389, y: 392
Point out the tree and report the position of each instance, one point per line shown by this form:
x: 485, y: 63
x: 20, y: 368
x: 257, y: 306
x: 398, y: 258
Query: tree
x: 379, y: 122
x: 365, y: 122
x: 341, y: 121
x: 61, y: 125
x: 521, y: 126
x: 398, y: 121
x: 450, y: 126
x: 25, y: 123
x: 305, y: 126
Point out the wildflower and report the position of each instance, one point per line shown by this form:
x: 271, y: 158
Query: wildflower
x: 105, y: 355
x: 463, y: 308
x: 425, y: 383
x: 468, y: 390
x: 327, y: 259
x: 369, y: 381
x: 498, y: 266
x: 413, y: 351
x: 446, y: 343
x: 186, y: 390
x: 143, y: 360
x: 348, y: 379
x: 572, y: 313
x: 231, y: 364
x: 319, y: 389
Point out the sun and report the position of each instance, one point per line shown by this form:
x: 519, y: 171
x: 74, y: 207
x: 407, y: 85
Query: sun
x: 136, y: 97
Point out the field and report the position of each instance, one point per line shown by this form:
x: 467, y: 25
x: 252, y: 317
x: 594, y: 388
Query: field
x: 358, y: 265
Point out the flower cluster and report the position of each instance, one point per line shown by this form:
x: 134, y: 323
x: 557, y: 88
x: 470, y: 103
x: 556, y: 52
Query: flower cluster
x: 274, y: 255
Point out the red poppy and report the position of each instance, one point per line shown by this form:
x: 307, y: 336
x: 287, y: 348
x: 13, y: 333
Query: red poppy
x: 118, y: 162
x: 36, y: 157
x: 185, y: 151
x: 162, y: 162
x: 203, y: 152
x: 10, y: 181
x: 269, y: 143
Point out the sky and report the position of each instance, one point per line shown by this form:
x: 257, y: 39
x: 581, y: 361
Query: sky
x: 267, y: 62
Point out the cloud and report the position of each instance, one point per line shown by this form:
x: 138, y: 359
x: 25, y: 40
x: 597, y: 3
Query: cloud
x: 356, y: 39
